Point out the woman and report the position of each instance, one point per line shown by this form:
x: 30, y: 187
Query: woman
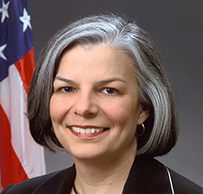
x: 99, y: 92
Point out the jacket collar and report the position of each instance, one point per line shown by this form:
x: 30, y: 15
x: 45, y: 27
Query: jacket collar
x: 147, y: 175
x: 59, y: 183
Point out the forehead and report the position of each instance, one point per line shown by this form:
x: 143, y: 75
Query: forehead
x: 96, y: 58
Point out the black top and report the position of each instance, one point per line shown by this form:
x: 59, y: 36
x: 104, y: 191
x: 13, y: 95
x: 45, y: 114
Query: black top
x: 147, y: 176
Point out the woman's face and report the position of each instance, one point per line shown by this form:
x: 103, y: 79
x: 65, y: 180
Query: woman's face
x: 95, y: 108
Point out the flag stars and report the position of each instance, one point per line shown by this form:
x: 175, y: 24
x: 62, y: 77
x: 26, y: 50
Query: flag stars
x: 4, y: 11
x: 1, y: 51
x: 26, y: 20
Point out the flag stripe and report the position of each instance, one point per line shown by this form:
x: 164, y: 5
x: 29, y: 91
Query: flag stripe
x: 26, y: 73
x: 22, y: 142
x: 16, y: 68
x: 9, y: 161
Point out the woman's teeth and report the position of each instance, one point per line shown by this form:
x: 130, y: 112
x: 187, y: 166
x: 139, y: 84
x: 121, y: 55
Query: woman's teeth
x: 87, y: 130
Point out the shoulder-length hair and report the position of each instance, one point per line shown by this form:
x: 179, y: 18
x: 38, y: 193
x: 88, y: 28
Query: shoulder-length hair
x: 154, y: 90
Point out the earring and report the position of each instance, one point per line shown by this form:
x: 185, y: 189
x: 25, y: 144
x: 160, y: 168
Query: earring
x: 52, y: 129
x: 140, y: 133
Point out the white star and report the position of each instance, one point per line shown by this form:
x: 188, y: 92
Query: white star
x: 25, y: 19
x: 1, y: 51
x: 4, y: 11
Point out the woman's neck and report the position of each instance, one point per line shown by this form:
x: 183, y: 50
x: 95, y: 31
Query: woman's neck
x: 103, y: 176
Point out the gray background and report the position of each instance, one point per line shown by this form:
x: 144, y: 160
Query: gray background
x: 177, y: 29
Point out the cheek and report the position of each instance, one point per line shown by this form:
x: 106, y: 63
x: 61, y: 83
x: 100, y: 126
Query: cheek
x: 57, y: 109
x: 121, y: 113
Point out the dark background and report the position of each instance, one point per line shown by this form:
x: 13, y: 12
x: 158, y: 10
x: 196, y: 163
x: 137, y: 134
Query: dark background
x: 177, y: 29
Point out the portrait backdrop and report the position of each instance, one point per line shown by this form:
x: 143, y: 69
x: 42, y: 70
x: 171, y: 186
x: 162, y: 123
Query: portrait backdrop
x: 176, y: 26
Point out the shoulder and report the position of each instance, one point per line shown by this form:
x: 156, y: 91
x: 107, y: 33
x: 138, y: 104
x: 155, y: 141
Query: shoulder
x: 179, y: 183
x: 29, y: 185
x: 184, y: 185
x: 43, y: 184
x: 148, y: 175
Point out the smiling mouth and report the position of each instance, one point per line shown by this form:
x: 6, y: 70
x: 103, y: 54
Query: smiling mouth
x: 88, y: 130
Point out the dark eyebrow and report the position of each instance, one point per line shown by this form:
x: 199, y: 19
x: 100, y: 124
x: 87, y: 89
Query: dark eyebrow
x: 101, y: 82
x: 69, y: 81
x: 113, y: 79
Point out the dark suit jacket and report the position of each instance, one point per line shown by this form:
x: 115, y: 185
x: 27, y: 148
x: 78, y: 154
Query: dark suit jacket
x: 147, y: 176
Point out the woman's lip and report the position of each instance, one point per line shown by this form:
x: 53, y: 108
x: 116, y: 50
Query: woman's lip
x: 87, y: 129
x: 87, y: 132
x: 86, y: 126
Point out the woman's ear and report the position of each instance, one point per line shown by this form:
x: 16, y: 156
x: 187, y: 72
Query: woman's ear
x: 142, y: 117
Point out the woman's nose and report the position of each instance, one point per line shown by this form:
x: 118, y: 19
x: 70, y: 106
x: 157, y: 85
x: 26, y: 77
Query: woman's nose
x: 85, y: 105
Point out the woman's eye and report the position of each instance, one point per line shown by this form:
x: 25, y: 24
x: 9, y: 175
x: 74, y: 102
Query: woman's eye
x: 66, y: 89
x: 110, y: 91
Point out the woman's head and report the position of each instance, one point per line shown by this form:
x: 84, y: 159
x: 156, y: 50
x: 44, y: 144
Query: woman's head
x: 154, y: 91
x: 95, y: 106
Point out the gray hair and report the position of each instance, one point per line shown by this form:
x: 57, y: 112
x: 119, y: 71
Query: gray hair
x: 154, y: 90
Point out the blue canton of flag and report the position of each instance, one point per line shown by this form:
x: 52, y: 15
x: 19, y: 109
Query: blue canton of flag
x: 15, y: 36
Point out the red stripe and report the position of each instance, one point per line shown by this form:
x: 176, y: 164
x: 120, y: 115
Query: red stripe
x: 26, y: 67
x: 11, y: 168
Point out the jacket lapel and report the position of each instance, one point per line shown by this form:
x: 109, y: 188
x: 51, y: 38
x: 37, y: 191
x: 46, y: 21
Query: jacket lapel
x: 58, y: 183
x: 147, y: 175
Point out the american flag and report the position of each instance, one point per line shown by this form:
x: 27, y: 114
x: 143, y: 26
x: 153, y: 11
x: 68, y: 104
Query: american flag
x: 20, y: 157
